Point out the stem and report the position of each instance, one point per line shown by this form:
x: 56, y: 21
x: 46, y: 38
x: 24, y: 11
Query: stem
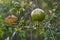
x: 12, y: 38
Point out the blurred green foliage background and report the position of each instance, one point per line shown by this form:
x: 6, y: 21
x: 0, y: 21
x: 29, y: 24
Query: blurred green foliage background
x: 50, y: 27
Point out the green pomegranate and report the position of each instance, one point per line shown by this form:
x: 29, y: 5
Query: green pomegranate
x: 38, y: 15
